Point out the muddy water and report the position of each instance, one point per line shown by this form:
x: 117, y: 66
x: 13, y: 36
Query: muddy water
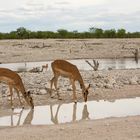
x: 125, y: 63
x: 67, y: 113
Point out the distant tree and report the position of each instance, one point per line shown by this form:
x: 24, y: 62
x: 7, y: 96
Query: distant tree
x: 50, y: 34
x: 62, y: 33
x: 92, y: 29
x: 110, y: 33
x: 23, y: 33
x: 33, y: 34
x: 135, y: 34
x: 121, y: 33
x: 73, y: 34
x: 39, y: 34
x: 13, y: 35
x: 96, y: 32
x: 1, y: 35
x: 75, y: 31
x: 85, y: 35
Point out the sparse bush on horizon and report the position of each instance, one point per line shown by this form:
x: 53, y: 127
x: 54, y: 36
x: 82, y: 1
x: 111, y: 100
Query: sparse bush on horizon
x: 23, y: 33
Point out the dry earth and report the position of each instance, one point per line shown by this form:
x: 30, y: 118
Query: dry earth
x: 50, y: 49
x: 107, y: 85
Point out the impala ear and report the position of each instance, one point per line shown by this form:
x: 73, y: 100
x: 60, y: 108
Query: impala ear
x: 88, y: 87
x: 28, y: 93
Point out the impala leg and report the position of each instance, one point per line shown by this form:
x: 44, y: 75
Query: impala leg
x: 56, y: 115
x: 11, y: 93
x: 57, y: 111
x: 52, y: 81
x: 19, y: 119
x: 55, y: 84
x: 12, y: 122
x: 74, y: 91
x: 52, y: 118
x: 74, y: 112
x: 19, y: 98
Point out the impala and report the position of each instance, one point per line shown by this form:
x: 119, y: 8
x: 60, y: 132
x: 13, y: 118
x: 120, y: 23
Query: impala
x: 65, y: 69
x: 13, y: 80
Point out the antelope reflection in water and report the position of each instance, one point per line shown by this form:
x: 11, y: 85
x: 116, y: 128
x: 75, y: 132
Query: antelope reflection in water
x: 50, y: 114
x: 27, y: 120
x: 54, y: 119
x: 85, y: 113
x: 18, y: 121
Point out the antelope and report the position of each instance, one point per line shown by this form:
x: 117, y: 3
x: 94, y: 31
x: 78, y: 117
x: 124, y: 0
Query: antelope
x: 65, y: 69
x: 14, y: 81
x: 36, y: 69
x: 44, y: 67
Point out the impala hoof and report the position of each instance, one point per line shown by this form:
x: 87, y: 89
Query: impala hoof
x: 75, y: 101
x: 59, y: 98
x: 12, y: 108
x: 52, y: 96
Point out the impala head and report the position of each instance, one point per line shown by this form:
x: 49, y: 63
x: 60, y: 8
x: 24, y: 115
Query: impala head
x: 29, y: 99
x: 85, y: 93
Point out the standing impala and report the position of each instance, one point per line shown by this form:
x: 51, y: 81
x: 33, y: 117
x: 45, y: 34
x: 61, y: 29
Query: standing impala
x: 13, y: 80
x: 66, y: 69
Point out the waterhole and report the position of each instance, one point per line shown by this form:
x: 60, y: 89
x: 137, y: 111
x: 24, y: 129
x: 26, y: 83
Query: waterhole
x: 71, y: 112
x: 104, y: 64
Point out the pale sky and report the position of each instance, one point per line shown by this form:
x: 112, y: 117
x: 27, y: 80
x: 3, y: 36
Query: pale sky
x: 71, y: 15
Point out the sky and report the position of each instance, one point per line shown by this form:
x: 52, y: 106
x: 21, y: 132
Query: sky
x: 51, y: 15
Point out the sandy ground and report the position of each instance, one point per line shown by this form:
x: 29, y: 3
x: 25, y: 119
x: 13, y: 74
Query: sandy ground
x: 108, y: 129
x: 107, y: 85
x: 50, y: 49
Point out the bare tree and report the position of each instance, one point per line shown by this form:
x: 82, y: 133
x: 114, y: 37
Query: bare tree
x: 95, y: 65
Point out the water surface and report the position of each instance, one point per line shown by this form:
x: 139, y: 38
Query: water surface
x: 124, y: 63
x: 67, y: 113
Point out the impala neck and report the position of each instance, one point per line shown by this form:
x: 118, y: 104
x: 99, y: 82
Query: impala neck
x: 81, y: 82
x: 22, y: 88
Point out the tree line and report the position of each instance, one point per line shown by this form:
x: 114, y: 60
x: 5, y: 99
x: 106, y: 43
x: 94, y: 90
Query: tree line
x: 23, y: 33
